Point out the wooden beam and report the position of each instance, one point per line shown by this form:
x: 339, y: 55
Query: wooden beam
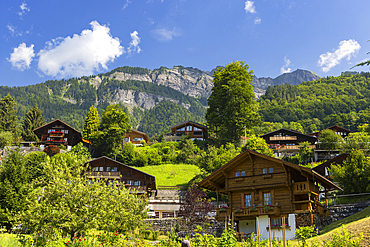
x: 214, y: 184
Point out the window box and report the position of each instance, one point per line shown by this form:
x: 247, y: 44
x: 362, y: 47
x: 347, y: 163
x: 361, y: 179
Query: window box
x: 239, y: 179
x: 252, y: 209
x: 267, y: 176
x: 223, y: 209
x: 279, y: 228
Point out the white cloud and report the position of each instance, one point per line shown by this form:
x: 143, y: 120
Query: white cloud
x: 134, y: 44
x: 164, y: 34
x: 80, y: 55
x: 24, y: 8
x: 13, y: 30
x: 126, y: 4
x: 249, y: 7
x: 346, y: 49
x: 285, y: 68
x: 22, y: 57
x: 257, y: 20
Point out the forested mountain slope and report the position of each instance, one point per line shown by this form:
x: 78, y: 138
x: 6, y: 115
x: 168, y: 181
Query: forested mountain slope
x: 342, y: 100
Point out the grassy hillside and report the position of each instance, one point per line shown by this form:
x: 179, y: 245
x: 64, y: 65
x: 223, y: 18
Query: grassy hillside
x: 171, y: 174
x: 358, y: 223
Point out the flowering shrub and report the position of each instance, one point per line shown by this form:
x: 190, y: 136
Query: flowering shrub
x: 238, y: 209
x: 253, y: 208
x: 223, y: 208
x: 268, y: 207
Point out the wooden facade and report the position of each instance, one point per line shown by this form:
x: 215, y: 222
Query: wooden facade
x: 57, y: 133
x: 285, y: 140
x: 261, y: 186
x: 127, y: 176
x: 194, y: 130
x: 136, y: 137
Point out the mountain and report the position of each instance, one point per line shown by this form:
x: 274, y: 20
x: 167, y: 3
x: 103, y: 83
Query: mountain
x: 168, y: 95
x: 294, y: 78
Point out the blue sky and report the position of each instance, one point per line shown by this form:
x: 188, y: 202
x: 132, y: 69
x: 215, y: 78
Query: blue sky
x: 46, y: 40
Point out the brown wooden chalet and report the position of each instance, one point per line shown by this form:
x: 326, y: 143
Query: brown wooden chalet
x: 323, y: 169
x: 136, y: 137
x: 343, y: 132
x: 58, y: 132
x: 127, y: 176
x: 195, y: 131
x: 287, y: 141
x: 270, y: 189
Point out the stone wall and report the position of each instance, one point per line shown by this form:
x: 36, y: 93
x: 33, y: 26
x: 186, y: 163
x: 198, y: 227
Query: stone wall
x: 210, y: 226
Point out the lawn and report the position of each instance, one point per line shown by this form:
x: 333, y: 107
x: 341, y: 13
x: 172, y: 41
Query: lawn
x: 171, y: 174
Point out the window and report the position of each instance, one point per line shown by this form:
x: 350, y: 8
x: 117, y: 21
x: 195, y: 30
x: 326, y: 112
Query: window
x: 271, y: 170
x: 197, y: 129
x: 137, y: 183
x: 267, y: 198
x: 95, y: 169
x: 130, y: 182
x: 137, y: 139
x: 264, y: 170
x: 236, y: 174
x: 101, y: 169
x: 113, y: 169
x: 126, y: 139
x: 65, y: 139
x: 243, y: 173
x: 189, y: 128
x: 276, y: 222
x: 181, y: 129
x: 248, y: 200
x: 108, y: 169
x: 66, y: 131
x: 198, y: 133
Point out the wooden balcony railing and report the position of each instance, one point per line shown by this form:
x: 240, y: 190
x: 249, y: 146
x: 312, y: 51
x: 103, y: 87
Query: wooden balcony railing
x: 278, y: 138
x: 305, y: 187
x: 285, y: 147
x: 249, y: 211
x: 56, y: 134
x: 104, y: 174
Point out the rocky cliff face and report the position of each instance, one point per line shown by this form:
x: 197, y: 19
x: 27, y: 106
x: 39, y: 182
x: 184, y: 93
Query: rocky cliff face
x: 189, y: 81
x: 294, y: 78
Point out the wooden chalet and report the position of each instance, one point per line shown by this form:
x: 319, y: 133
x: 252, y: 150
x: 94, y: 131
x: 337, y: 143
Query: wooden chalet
x: 57, y: 133
x: 134, y: 179
x: 323, y: 169
x: 195, y: 131
x: 343, y: 132
x: 287, y: 141
x: 136, y: 137
x: 270, y: 189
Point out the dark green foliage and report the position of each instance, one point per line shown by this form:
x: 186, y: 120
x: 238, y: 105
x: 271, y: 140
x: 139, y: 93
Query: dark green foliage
x: 165, y: 115
x: 341, y: 100
x: 35, y: 163
x: 232, y: 105
x: 353, y: 175
x: 32, y: 120
x: 329, y: 140
x: 8, y: 117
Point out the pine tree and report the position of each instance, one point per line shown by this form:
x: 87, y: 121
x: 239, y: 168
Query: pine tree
x: 8, y: 117
x: 91, y: 122
x: 32, y: 120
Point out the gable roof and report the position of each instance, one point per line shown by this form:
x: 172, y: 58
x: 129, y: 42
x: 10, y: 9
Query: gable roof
x: 119, y: 163
x: 287, y: 130
x: 218, y: 173
x: 54, y: 122
x: 336, y: 160
x: 194, y: 123
x: 340, y: 128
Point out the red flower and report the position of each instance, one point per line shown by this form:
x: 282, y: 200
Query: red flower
x: 75, y: 237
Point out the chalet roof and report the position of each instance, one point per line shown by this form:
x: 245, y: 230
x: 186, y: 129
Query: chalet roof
x: 194, y: 123
x: 218, y: 174
x: 332, y: 128
x: 137, y: 131
x: 119, y: 163
x: 336, y: 160
x: 54, y: 122
x: 287, y: 130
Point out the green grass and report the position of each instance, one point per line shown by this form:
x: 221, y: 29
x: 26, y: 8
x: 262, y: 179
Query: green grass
x: 171, y: 174
x: 355, y: 217
x: 8, y: 240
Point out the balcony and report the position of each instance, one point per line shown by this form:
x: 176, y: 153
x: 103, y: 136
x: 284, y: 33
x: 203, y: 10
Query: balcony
x: 304, y: 188
x: 249, y: 211
x: 115, y: 175
x: 56, y: 134
x: 280, y: 138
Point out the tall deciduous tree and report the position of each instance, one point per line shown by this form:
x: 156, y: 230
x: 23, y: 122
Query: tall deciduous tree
x: 258, y: 144
x: 91, y: 123
x: 112, y: 129
x: 73, y: 204
x: 14, y: 187
x: 8, y: 118
x: 31, y: 121
x: 232, y: 104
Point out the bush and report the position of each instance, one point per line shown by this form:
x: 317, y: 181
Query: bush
x: 52, y: 150
x: 6, y: 138
x: 155, y: 235
x: 343, y: 238
x: 145, y: 234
